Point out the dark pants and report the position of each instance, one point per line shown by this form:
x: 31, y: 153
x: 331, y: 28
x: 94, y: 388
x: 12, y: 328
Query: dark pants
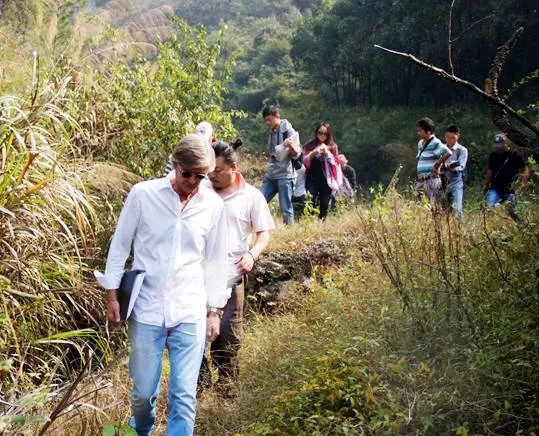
x: 225, y: 349
x: 321, y: 194
x: 298, y: 203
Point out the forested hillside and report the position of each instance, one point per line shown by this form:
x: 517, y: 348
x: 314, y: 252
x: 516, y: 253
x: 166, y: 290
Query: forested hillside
x: 318, y: 61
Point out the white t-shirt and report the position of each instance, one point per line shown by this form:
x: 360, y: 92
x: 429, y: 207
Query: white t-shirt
x: 246, y: 212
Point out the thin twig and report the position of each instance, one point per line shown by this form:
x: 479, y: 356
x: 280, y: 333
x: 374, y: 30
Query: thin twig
x: 500, y: 264
x: 449, y: 41
x: 471, y: 26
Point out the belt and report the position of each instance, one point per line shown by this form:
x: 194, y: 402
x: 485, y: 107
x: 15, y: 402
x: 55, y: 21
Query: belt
x: 429, y: 177
x: 233, y: 283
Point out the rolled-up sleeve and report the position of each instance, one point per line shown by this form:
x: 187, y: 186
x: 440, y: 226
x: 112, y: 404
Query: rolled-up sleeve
x: 216, y: 262
x: 120, y: 246
x: 462, y: 159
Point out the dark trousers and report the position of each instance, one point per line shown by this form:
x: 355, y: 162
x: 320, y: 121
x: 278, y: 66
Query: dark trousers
x: 225, y: 349
x: 298, y: 203
x: 321, y: 194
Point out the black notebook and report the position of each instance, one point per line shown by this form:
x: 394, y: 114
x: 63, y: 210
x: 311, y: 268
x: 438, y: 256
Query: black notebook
x: 125, y: 291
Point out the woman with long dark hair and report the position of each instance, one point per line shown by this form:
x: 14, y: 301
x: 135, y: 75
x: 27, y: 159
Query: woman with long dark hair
x: 323, y: 170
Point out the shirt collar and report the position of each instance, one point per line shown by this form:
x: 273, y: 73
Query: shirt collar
x: 165, y: 184
x: 240, y: 183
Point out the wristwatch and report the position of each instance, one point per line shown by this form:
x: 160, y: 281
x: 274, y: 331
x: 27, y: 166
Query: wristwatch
x: 216, y: 310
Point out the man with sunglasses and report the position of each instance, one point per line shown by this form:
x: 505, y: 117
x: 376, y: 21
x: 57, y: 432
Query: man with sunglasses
x: 177, y: 228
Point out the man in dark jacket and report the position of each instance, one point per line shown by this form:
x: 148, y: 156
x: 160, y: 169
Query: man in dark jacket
x: 505, y: 167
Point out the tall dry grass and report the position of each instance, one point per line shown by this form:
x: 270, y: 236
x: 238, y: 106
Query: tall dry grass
x: 49, y: 313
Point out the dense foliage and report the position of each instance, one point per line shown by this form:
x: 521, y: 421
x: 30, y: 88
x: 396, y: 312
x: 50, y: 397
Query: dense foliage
x: 429, y: 329
x: 335, y: 46
x: 138, y: 110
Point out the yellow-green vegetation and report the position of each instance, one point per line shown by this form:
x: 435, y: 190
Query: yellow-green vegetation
x: 65, y: 128
x: 429, y: 328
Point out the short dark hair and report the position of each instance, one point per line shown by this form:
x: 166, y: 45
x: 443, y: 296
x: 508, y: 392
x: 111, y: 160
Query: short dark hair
x: 452, y: 128
x: 270, y: 110
x: 426, y: 124
x: 227, y: 151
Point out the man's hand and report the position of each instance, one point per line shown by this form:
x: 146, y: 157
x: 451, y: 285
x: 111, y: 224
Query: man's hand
x: 290, y: 147
x: 113, y: 307
x: 288, y: 144
x: 213, y: 326
x: 245, y: 263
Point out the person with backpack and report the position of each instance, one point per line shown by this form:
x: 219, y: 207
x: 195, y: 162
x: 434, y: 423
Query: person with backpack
x: 453, y: 169
x: 284, y: 160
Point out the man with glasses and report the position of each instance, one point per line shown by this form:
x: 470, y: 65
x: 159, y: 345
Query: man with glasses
x: 281, y: 171
x: 247, y: 213
x: 178, y: 231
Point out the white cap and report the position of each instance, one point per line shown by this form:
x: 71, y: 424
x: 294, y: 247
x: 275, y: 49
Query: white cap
x: 205, y: 129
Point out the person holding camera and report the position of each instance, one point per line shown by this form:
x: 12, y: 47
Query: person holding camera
x: 453, y: 170
x: 323, y: 169
x: 283, y: 163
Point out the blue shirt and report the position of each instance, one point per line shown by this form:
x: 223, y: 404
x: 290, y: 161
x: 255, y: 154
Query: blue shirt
x: 459, y: 157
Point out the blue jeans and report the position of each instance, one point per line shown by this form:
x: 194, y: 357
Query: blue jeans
x: 185, y: 343
x: 494, y: 196
x: 454, y: 199
x: 285, y: 188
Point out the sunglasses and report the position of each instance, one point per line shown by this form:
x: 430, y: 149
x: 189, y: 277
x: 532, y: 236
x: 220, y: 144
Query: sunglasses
x: 322, y: 133
x: 188, y: 175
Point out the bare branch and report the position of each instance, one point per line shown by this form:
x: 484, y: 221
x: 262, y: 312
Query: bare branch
x: 494, y: 99
x: 499, y: 116
x: 502, y: 54
x: 449, y: 41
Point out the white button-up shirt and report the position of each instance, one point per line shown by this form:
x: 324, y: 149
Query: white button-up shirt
x: 183, y: 251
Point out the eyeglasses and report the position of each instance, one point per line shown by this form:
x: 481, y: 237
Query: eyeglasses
x: 322, y: 133
x: 188, y: 175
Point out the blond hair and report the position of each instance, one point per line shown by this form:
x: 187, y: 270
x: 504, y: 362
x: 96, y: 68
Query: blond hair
x: 194, y: 152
